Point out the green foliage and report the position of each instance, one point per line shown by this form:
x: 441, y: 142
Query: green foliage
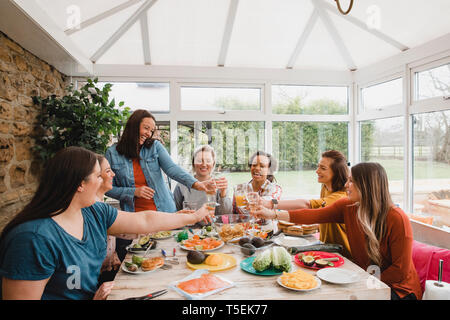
x: 296, y: 145
x: 300, y: 144
x: 85, y: 118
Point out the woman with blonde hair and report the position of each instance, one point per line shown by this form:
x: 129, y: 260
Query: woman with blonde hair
x: 203, y: 164
x: 379, y: 233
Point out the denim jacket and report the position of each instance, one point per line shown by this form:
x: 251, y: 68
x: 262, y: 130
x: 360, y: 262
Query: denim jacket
x: 153, y: 159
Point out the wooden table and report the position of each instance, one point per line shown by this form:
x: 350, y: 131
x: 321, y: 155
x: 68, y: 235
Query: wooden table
x: 247, y: 286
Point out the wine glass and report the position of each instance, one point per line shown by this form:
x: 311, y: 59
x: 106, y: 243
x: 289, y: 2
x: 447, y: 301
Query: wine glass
x: 252, y: 201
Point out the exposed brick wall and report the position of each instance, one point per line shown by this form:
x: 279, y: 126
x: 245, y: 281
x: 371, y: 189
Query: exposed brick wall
x: 22, y: 75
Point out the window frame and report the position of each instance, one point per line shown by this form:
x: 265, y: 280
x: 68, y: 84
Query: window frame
x: 431, y: 104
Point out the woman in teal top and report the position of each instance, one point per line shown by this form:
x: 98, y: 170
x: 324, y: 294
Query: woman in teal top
x: 54, y: 247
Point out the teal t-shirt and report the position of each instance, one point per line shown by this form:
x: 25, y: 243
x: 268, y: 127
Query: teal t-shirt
x: 41, y: 249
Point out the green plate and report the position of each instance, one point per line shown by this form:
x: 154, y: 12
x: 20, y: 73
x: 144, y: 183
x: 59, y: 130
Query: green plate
x: 247, y: 266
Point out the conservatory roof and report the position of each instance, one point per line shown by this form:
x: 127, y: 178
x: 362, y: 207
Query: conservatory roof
x: 281, y: 34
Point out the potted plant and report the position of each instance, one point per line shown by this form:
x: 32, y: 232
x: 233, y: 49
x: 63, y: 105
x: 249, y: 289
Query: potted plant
x: 84, y: 118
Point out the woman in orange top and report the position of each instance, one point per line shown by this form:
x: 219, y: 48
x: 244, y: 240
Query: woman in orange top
x: 379, y: 233
x: 332, y: 173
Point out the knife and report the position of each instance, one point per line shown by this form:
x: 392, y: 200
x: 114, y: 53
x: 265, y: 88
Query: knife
x: 149, y: 296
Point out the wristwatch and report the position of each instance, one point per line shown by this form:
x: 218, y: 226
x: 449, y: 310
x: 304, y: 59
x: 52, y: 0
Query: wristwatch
x: 274, y: 204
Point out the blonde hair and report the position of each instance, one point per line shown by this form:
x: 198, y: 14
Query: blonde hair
x: 371, y: 181
x: 203, y: 148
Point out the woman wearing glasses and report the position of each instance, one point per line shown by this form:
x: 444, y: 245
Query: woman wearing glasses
x: 137, y: 160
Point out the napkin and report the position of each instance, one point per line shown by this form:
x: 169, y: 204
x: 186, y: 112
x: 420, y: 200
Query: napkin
x: 433, y: 292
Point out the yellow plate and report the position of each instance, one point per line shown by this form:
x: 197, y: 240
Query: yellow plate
x: 228, y: 263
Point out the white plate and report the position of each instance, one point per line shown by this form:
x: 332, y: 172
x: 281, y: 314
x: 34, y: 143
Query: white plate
x: 319, y: 283
x: 337, y: 276
x: 189, y: 249
x: 139, y: 271
x: 162, y: 238
x: 288, y: 241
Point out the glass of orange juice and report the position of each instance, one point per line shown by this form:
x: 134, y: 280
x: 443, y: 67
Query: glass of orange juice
x: 239, y: 195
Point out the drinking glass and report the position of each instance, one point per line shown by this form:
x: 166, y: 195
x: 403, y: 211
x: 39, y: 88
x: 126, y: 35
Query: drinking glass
x: 239, y: 195
x: 252, y: 201
x: 189, y: 205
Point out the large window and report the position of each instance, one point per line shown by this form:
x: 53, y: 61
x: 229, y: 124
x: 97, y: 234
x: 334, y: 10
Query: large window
x: 152, y: 96
x: 298, y: 147
x: 432, y: 166
x: 379, y: 96
x: 220, y: 99
x: 382, y: 141
x: 433, y: 82
x: 233, y: 141
x: 290, y: 99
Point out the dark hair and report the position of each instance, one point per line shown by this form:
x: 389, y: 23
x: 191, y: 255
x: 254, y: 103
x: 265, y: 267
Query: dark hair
x: 128, y: 144
x: 272, y: 163
x: 60, y: 180
x: 100, y: 158
x: 339, y: 166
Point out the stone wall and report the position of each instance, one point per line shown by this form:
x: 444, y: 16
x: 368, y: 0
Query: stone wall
x: 22, y: 75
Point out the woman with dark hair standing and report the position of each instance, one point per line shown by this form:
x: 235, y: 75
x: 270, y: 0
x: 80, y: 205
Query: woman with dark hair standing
x: 332, y: 172
x: 262, y: 168
x: 137, y: 160
x: 54, y: 248
x: 379, y: 233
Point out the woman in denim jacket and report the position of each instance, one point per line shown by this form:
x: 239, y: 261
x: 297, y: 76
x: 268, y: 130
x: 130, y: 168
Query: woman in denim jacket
x: 137, y: 160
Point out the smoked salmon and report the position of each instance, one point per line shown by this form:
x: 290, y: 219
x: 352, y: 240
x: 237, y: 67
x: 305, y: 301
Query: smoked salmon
x: 206, y: 244
x: 207, y: 282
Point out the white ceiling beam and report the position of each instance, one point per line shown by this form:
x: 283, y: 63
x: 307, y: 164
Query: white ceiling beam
x: 364, y: 26
x: 331, y: 28
x: 145, y: 38
x: 222, y: 75
x: 101, y: 17
x: 227, y: 33
x: 302, y: 40
x: 122, y: 29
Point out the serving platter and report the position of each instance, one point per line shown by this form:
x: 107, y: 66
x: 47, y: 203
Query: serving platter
x: 338, y: 276
x: 319, y: 283
x: 228, y: 263
x: 157, y: 237
x: 247, y: 266
x: 318, y: 255
x: 207, y: 250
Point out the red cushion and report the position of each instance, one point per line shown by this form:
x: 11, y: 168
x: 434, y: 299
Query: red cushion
x: 426, y: 260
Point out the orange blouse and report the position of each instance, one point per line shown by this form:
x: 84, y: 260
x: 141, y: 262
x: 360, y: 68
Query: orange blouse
x: 141, y: 204
x: 397, y: 267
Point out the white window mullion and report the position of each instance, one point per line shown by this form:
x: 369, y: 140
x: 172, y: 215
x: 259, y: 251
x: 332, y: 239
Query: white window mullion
x: 408, y: 141
x: 174, y: 102
x: 267, y: 109
x: 353, y: 134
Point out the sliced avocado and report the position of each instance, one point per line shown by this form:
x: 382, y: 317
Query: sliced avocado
x: 144, y: 240
x: 308, y: 261
x: 321, y: 263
